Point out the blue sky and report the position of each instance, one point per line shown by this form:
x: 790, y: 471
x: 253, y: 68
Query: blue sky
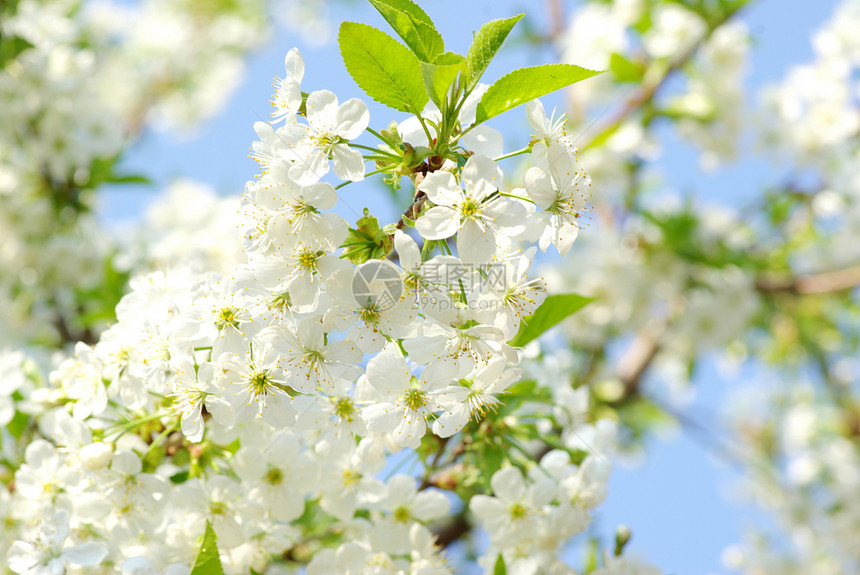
x: 675, y: 500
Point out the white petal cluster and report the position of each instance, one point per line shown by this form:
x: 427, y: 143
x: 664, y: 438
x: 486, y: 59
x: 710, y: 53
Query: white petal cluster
x: 813, y: 111
x: 187, y: 224
x: 267, y: 400
x: 90, y: 76
x: 675, y: 29
x: 811, y: 491
x: 713, y: 107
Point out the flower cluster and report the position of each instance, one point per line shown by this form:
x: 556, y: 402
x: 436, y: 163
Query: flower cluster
x: 769, y: 286
x: 267, y: 401
x: 79, y: 81
x: 809, y: 486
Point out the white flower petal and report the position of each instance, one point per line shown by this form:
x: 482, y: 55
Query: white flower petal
x: 537, y: 118
x: 508, y: 484
x: 407, y: 249
x: 388, y: 372
x: 539, y: 187
x: 410, y: 430
x: 86, y: 554
x: 352, y: 119
x: 322, y: 110
x: 439, y: 222
x: 430, y: 505
x: 381, y: 417
x: 442, y: 189
x: 482, y: 175
x: 484, y: 140
x: 474, y: 244
x: 294, y: 64
x: 309, y: 168
x: 489, y: 509
x: 348, y: 163
x: 320, y: 195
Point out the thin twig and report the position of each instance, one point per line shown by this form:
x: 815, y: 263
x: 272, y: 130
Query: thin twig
x: 637, y: 359
x: 820, y: 283
x: 650, y: 88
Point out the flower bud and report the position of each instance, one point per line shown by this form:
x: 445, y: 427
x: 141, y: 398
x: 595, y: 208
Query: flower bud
x: 622, y: 536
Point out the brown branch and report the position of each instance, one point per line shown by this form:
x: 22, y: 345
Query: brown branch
x: 452, y: 531
x: 635, y: 362
x: 413, y: 210
x: 426, y: 481
x: 418, y: 200
x: 637, y: 359
x: 820, y: 283
x: 555, y: 13
x: 71, y: 337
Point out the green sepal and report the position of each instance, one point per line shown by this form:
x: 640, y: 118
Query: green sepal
x: 367, y: 240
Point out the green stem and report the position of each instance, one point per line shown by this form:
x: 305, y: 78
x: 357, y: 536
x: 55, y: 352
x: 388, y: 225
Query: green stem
x: 525, y: 150
x: 377, y: 134
x: 167, y: 431
x: 136, y: 423
x: 426, y: 129
x: 523, y: 198
x: 339, y: 186
x: 464, y: 132
x: 386, y: 159
x: 444, y: 247
x: 374, y: 150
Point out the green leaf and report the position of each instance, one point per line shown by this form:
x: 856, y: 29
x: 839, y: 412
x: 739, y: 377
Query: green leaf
x: 99, y: 301
x: 438, y: 77
x: 491, y: 458
x: 487, y: 42
x: 208, y: 562
x: 625, y: 70
x: 19, y: 423
x: 9, y: 7
x: 500, y: 567
x: 129, y: 179
x: 554, y: 309
x: 180, y: 477
x: 383, y: 67
x: 104, y: 171
x: 413, y: 25
x: 10, y: 47
x: 526, y: 84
